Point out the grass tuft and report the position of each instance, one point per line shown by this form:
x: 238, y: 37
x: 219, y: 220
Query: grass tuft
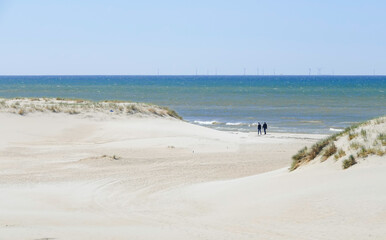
x: 352, y: 135
x: 349, y: 162
x: 364, y: 152
x: 297, y: 158
x: 364, y: 134
x: 329, y: 151
x: 339, y: 154
x: 355, y: 145
x: 382, y: 137
x: 21, y: 111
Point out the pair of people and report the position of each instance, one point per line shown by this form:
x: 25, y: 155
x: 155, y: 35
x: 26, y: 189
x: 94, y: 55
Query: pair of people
x: 265, y: 126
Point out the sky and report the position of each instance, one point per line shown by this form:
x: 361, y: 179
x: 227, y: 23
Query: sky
x: 148, y: 37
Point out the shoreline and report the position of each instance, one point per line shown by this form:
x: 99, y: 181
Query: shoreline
x: 23, y: 106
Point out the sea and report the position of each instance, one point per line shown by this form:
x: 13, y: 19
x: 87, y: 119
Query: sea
x: 298, y: 104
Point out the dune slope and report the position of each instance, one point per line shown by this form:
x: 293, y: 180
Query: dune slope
x: 122, y: 176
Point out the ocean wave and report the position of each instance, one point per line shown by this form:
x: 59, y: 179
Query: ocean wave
x: 206, y: 122
x: 235, y: 123
x: 336, y: 129
x: 311, y: 121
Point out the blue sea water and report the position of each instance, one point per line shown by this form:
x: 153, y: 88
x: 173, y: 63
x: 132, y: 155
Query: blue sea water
x: 310, y: 104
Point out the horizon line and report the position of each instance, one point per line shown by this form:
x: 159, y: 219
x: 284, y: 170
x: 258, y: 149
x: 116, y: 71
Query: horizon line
x: 199, y: 75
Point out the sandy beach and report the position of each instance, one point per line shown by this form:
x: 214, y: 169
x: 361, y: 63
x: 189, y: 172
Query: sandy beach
x: 142, y: 120
x: 69, y: 176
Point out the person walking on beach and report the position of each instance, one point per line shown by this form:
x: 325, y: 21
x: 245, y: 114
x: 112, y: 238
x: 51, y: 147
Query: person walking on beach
x: 265, y: 128
x: 258, y: 128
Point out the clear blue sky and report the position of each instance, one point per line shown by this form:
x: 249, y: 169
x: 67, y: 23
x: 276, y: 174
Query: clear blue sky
x: 178, y: 37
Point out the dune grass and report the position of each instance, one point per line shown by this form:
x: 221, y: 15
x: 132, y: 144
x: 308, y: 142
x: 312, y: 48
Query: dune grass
x: 326, y: 147
x: 382, y: 137
x: 23, y: 106
x: 329, y: 151
x: 339, y: 154
x: 305, y: 155
x: 349, y: 162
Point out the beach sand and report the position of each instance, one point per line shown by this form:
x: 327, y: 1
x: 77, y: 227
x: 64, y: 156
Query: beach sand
x: 66, y: 176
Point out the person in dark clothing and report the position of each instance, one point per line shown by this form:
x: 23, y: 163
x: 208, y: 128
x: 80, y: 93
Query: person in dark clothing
x: 265, y: 128
x: 258, y: 129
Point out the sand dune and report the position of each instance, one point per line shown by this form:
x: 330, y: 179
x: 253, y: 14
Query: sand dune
x: 66, y: 176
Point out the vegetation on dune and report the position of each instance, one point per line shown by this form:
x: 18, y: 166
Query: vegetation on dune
x: 21, y: 111
x: 365, y: 152
x: 172, y: 113
x: 339, y: 154
x: 364, y: 133
x: 382, y: 137
x: 355, y: 145
x: 305, y: 155
x: 299, y: 158
x: 349, y: 162
x: 352, y: 135
x: 24, y: 106
x: 331, y: 150
x: 327, y: 147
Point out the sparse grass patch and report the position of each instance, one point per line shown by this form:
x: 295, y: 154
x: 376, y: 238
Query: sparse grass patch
x: 172, y: 113
x: 73, y: 111
x: 306, y: 155
x: 364, y: 152
x: 349, y: 162
x: 355, y: 145
x: 327, y: 146
x: 21, y: 111
x: 76, y: 106
x: 297, y: 158
x: 339, y: 154
x: 53, y: 108
x: 114, y: 101
x: 382, y: 137
x: 153, y: 111
x: 379, y: 120
x: 352, y: 135
x: 317, y: 148
x: 132, y: 108
x: 329, y: 151
x: 379, y: 152
x: 364, y: 134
